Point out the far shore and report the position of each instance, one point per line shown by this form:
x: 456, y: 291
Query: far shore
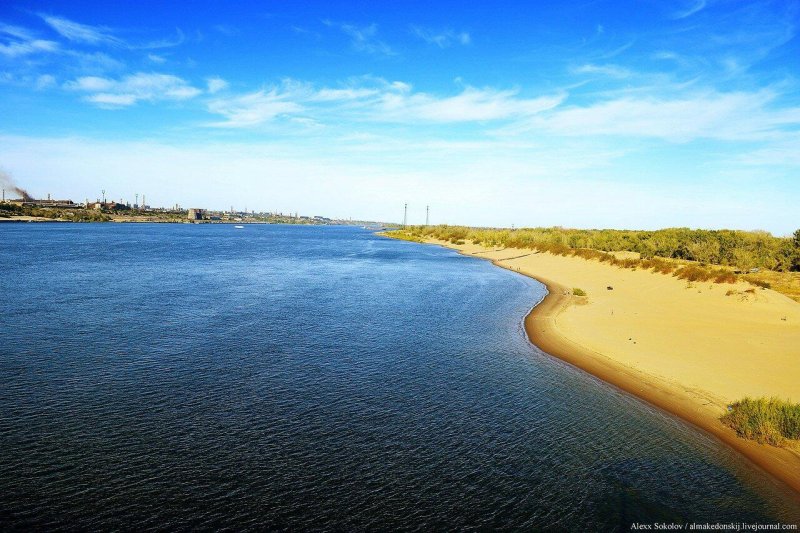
x: 690, y: 349
x: 130, y: 220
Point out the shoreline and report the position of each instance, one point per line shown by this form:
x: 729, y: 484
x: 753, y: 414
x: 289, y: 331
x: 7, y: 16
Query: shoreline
x: 541, y: 327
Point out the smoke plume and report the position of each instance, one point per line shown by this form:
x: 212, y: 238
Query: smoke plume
x: 7, y: 182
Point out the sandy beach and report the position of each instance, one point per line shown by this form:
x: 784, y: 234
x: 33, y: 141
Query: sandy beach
x: 688, y: 348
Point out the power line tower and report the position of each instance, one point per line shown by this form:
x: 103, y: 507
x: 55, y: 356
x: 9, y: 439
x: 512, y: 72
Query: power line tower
x: 104, y: 195
x: 427, y: 214
x: 405, y: 215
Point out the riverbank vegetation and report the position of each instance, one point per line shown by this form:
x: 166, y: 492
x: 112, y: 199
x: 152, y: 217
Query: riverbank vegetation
x: 719, y: 256
x: 8, y: 210
x: 766, y: 420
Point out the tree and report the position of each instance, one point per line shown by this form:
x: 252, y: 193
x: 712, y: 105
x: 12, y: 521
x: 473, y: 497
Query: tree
x: 796, y: 258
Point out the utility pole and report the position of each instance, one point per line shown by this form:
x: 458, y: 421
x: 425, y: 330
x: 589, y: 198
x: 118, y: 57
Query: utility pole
x: 427, y: 214
x: 405, y: 215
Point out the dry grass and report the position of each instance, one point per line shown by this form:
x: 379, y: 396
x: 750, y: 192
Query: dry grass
x: 787, y: 283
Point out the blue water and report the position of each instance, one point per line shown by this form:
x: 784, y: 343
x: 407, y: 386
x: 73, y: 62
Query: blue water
x: 295, y: 377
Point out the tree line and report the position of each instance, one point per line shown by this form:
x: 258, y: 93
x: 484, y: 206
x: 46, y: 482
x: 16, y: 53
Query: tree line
x: 735, y: 248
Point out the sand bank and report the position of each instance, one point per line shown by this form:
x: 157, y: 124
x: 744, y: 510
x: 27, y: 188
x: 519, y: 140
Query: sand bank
x: 26, y: 219
x: 688, y: 348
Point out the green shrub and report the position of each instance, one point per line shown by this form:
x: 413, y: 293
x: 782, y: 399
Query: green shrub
x: 578, y: 292
x: 766, y: 420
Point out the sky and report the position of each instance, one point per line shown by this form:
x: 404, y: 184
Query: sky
x: 596, y: 114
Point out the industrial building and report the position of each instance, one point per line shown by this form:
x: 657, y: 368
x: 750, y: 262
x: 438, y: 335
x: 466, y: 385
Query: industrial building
x: 32, y: 202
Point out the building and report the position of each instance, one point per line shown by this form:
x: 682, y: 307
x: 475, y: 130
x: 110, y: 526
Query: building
x: 196, y: 214
x: 107, y: 206
x: 44, y: 203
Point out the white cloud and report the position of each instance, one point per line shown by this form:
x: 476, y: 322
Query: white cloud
x: 17, y: 32
x: 81, y: 33
x: 611, y: 71
x: 155, y: 58
x: 713, y: 115
x: 378, y: 101
x: 112, y: 100
x: 441, y: 38
x: 133, y: 88
x: 90, y: 84
x: 95, y: 62
x: 216, y: 84
x: 24, y: 42
x: 252, y: 109
x: 350, y: 93
x: 470, y: 105
x: 16, y: 49
x: 101, y: 35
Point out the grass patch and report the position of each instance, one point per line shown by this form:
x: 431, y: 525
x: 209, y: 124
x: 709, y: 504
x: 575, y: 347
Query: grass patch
x: 766, y: 420
x: 578, y: 292
x: 400, y: 235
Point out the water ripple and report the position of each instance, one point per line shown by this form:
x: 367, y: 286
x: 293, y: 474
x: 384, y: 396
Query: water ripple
x: 187, y: 377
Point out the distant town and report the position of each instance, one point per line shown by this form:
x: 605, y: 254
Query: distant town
x: 28, y: 209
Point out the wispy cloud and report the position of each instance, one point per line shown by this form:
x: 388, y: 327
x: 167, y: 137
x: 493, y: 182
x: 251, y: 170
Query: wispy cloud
x: 377, y: 102
x: 252, y: 109
x: 17, y: 32
x: 23, y: 48
x: 82, y: 33
x: 694, y: 7
x: 129, y: 90
x: 441, y: 38
x: 227, y: 30
x: 45, y: 81
x: 168, y: 42
x: 23, y: 42
x: 363, y: 38
x: 95, y: 62
x: 611, y: 71
x: 711, y: 115
x: 155, y: 58
x: 216, y: 84
x: 300, y: 30
x: 471, y: 105
x: 104, y: 36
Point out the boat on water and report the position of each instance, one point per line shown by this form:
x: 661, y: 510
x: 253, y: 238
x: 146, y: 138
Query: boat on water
x: 239, y: 227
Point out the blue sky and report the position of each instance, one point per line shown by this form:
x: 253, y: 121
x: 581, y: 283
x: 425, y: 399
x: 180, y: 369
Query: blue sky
x: 640, y: 114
